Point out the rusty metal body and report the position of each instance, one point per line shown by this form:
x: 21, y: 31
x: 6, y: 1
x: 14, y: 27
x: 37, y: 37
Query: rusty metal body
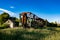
x: 24, y: 18
x: 27, y: 18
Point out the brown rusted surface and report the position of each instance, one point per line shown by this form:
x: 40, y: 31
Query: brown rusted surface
x: 24, y: 18
x: 27, y: 16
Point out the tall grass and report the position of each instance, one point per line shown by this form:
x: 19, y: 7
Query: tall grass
x: 29, y: 34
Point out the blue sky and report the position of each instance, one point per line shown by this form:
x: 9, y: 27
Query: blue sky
x: 46, y: 9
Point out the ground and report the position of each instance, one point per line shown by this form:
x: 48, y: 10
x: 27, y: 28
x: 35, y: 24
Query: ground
x: 20, y: 33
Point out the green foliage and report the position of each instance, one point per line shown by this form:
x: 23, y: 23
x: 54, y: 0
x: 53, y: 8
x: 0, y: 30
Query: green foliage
x: 16, y: 20
x: 29, y: 34
x: 3, y: 26
x: 3, y: 17
x: 36, y: 24
x: 52, y: 25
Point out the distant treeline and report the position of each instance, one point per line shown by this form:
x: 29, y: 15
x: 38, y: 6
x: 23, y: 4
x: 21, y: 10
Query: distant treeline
x: 45, y: 24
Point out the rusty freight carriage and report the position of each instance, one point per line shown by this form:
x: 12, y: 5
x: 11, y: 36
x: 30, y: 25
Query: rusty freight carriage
x: 27, y: 19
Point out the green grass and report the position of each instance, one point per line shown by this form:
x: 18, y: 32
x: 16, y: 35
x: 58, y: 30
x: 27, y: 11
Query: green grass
x: 30, y: 34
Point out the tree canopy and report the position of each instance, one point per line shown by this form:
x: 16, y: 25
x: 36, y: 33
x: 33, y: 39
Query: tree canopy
x: 3, y: 17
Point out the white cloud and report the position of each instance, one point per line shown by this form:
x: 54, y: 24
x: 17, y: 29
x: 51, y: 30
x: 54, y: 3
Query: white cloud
x: 11, y: 6
x: 9, y: 12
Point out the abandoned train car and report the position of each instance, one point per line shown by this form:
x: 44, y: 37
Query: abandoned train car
x: 28, y: 19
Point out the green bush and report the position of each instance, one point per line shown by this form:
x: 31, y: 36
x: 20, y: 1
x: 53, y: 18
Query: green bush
x: 4, y: 26
x: 51, y: 28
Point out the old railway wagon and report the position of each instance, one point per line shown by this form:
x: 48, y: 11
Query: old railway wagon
x: 27, y: 19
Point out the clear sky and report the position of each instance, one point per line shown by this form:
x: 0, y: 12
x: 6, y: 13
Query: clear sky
x: 46, y: 9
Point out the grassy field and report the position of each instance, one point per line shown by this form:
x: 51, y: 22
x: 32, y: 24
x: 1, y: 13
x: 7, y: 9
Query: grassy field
x: 30, y: 34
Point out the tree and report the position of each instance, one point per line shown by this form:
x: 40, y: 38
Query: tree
x: 4, y: 17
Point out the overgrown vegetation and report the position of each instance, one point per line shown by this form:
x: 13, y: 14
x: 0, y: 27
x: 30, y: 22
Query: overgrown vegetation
x: 4, y: 17
x: 3, y: 26
x: 38, y: 31
x: 35, y: 24
x: 29, y: 34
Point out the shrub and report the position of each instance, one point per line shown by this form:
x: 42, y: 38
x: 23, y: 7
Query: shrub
x: 51, y: 28
x: 4, y: 26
